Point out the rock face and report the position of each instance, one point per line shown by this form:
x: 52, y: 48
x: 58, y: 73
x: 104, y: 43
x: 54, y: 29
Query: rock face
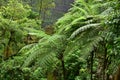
x: 62, y: 7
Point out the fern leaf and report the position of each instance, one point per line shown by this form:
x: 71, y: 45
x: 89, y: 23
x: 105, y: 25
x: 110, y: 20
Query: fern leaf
x: 83, y: 28
x: 82, y: 10
x: 43, y: 50
x: 78, y: 19
x: 90, y: 45
x: 38, y: 33
x: 27, y: 47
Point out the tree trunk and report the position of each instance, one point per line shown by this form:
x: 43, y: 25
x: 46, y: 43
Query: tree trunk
x: 63, y: 67
x: 105, y: 61
x: 40, y: 8
x: 92, y: 55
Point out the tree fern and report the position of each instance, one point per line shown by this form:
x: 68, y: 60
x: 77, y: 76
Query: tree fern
x: 44, y: 50
x: 90, y: 34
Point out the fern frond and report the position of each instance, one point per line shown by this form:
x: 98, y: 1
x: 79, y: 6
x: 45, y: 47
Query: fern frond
x: 27, y: 47
x: 90, y: 45
x: 31, y: 52
x: 86, y: 6
x: 77, y: 20
x: 45, y: 57
x: 38, y: 33
x: 44, y: 50
x: 107, y: 11
x: 81, y: 10
x: 64, y: 20
x: 82, y: 39
x: 83, y: 28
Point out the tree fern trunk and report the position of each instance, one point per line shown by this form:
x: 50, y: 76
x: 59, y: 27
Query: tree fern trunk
x: 105, y: 61
x: 40, y: 8
x: 92, y: 55
x: 63, y: 67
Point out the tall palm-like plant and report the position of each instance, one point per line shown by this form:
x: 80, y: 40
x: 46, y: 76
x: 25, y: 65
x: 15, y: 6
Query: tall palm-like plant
x: 84, y: 30
x: 85, y: 25
x: 46, y: 53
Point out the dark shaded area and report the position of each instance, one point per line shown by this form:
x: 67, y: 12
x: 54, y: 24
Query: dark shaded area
x: 62, y: 6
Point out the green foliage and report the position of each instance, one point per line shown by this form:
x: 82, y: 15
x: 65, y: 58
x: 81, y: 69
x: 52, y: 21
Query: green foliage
x: 15, y: 10
x: 86, y: 24
x: 16, y: 24
x: 86, y: 44
x: 14, y: 21
x: 43, y: 50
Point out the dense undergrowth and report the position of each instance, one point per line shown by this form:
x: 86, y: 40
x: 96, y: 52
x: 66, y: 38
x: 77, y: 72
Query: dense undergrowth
x: 84, y: 45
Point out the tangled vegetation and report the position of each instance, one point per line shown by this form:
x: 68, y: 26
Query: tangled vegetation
x: 84, y: 44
